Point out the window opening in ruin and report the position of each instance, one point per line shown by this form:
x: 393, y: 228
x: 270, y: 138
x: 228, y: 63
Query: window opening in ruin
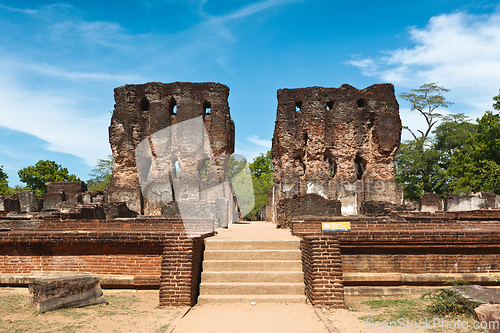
x: 298, y: 106
x: 176, y: 172
x: 203, y: 168
x: 208, y: 107
x: 144, y: 104
x: 173, y: 106
x: 329, y: 105
x: 361, y: 103
x: 360, y: 167
x: 333, y: 166
x: 301, y: 163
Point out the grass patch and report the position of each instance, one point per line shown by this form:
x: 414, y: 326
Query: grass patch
x: 392, y: 311
x: 162, y: 329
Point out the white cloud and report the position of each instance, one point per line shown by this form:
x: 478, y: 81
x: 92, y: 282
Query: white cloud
x: 260, y: 142
x: 253, y: 147
x: 460, y: 51
x: 19, y: 10
x: 53, y: 68
x: 216, y: 24
x: 54, y: 118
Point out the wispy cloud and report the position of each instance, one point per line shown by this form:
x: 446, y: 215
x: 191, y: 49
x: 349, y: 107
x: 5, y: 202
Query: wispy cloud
x: 260, y: 142
x: 18, y: 10
x: 59, y: 69
x: 252, y: 147
x: 459, y: 50
x: 217, y: 23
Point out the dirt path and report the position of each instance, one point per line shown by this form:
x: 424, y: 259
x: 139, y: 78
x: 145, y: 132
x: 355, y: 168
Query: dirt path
x: 247, y: 318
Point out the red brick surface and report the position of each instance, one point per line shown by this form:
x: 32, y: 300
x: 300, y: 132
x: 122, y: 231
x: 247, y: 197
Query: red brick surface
x: 166, y: 258
x: 322, y: 267
x: 449, y: 242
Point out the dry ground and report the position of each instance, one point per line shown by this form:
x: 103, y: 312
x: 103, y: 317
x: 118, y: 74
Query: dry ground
x: 137, y: 311
x: 364, y: 312
x: 127, y: 311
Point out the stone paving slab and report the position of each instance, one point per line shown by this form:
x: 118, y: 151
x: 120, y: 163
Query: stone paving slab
x: 253, y: 231
x: 243, y: 318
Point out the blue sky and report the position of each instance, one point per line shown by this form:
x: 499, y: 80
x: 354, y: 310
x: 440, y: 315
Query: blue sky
x: 59, y: 62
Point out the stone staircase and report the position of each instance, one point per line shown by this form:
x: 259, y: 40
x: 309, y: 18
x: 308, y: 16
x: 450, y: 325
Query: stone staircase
x: 244, y: 271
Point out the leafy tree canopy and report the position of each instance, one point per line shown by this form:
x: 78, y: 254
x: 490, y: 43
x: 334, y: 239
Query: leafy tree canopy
x: 459, y: 157
x: 262, y: 165
x: 426, y: 100
x: 476, y: 166
x: 419, y: 165
x: 42, y: 172
x: 496, y: 105
x: 100, y: 174
x: 261, y: 170
x: 4, y: 184
x: 235, y: 165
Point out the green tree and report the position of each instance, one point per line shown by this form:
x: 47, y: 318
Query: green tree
x: 476, y: 166
x: 235, y: 165
x: 418, y: 164
x: 496, y: 105
x: 4, y: 184
x: 100, y: 175
x: 262, y: 165
x: 42, y: 172
x: 261, y: 170
x: 426, y: 100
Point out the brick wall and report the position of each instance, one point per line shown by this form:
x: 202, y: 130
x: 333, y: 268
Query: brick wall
x: 166, y: 259
x: 322, y: 268
x: 421, y: 251
x: 55, y: 223
x: 417, y: 244
x: 483, y: 220
x: 181, y: 271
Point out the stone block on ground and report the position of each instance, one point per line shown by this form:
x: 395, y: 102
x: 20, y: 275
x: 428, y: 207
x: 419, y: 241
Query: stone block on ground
x: 65, y: 292
x: 489, y: 317
x: 479, y: 293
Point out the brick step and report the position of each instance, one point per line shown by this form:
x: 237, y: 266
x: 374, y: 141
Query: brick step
x: 288, y: 244
x: 251, y: 265
x: 253, y: 255
x: 248, y: 276
x: 210, y: 299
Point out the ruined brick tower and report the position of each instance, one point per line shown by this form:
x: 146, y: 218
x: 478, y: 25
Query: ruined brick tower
x: 162, y: 136
x: 334, y: 149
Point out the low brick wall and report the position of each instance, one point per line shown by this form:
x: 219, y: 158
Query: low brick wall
x: 322, y: 266
x: 444, y: 251
x: 168, y: 260
x: 450, y: 243
x: 482, y: 220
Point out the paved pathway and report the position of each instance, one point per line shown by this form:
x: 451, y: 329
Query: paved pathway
x: 258, y: 318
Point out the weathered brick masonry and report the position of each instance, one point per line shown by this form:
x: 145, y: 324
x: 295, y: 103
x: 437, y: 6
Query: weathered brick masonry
x: 322, y: 268
x: 163, y: 257
x: 465, y: 242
